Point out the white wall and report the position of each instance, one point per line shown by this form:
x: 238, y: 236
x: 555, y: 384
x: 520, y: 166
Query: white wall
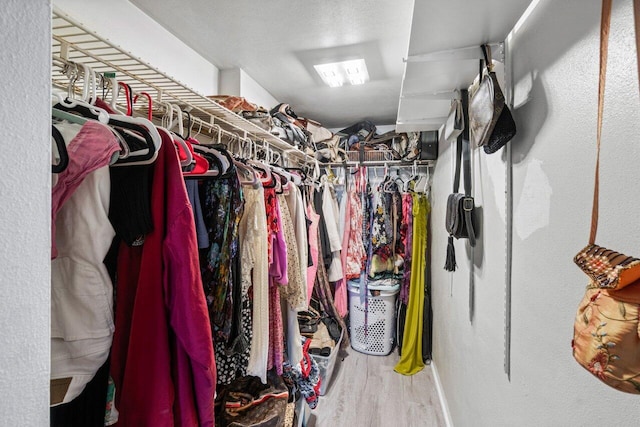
x: 25, y: 213
x: 229, y: 81
x: 128, y: 27
x: 555, y: 65
x: 235, y: 81
x: 251, y: 90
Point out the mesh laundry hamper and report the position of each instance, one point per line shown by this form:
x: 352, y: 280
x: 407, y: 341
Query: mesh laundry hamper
x: 377, y: 337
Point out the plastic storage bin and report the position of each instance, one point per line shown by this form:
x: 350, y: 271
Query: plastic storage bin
x: 377, y: 337
x: 326, y: 365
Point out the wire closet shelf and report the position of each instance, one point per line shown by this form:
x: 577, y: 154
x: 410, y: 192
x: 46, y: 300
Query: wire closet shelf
x: 73, y: 43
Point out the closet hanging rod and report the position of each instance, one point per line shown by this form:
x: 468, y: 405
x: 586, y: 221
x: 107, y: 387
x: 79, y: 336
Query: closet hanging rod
x: 380, y: 163
x: 73, y: 42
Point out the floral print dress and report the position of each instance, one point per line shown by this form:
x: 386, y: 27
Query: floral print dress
x: 356, y: 254
x: 223, y: 207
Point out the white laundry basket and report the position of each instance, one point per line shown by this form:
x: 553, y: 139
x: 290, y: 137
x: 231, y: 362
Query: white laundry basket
x: 377, y: 336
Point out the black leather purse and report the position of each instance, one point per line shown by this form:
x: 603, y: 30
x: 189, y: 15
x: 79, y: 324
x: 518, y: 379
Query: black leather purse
x: 460, y: 216
x: 491, y: 120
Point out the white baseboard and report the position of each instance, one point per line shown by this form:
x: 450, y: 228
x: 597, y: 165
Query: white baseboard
x: 441, y: 395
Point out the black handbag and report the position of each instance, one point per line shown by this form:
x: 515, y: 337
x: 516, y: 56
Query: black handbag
x: 460, y: 216
x: 491, y: 120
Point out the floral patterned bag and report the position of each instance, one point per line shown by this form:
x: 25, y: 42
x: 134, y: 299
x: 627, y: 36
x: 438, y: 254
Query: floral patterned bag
x: 606, y: 338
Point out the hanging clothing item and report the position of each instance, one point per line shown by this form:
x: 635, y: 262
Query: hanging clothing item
x: 296, y: 209
x: 255, y: 277
x: 277, y: 277
x: 345, y: 228
x: 293, y: 289
x: 398, y: 248
x: 232, y: 361
x: 232, y: 357
x: 292, y: 297
x: 407, y: 236
x: 342, y: 215
x: 81, y: 291
x: 198, y: 217
x: 130, y: 204
x: 292, y: 331
x: 356, y: 254
x: 411, y: 360
x: 162, y: 359
x: 271, y: 207
x: 313, y: 249
x: 340, y: 294
x: 323, y: 291
x: 326, y: 256
x: 382, y: 230
x: 222, y: 208
x: 330, y: 213
x: 89, y: 147
x: 381, y: 225
x: 88, y: 409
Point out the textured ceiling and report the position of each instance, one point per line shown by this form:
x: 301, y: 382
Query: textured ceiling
x: 277, y: 42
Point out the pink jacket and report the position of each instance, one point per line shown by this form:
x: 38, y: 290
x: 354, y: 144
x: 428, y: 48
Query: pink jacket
x: 163, y: 364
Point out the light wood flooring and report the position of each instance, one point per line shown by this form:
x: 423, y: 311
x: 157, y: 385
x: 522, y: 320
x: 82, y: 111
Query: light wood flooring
x: 366, y: 392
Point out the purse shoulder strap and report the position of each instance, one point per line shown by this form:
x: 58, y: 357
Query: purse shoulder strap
x: 486, y: 51
x: 463, y: 151
x: 605, y: 26
x: 468, y: 204
x: 466, y: 149
x: 456, y: 176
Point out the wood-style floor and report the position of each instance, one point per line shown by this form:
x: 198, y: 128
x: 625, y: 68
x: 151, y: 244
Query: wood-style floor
x: 366, y: 392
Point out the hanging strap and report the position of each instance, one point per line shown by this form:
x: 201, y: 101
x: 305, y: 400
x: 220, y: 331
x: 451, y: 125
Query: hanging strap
x: 486, y: 52
x: 468, y: 203
x: 605, y: 26
x: 456, y: 177
x: 466, y: 145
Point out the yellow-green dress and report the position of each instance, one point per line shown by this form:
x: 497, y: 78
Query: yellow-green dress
x: 411, y: 358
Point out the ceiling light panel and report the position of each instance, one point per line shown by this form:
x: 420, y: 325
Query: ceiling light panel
x: 336, y: 74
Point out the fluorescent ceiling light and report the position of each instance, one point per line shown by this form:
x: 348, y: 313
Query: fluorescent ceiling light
x: 336, y: 74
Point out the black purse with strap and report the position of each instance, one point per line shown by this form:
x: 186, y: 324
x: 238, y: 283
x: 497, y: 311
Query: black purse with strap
x: 491, y: 120
x: 460, y: 217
